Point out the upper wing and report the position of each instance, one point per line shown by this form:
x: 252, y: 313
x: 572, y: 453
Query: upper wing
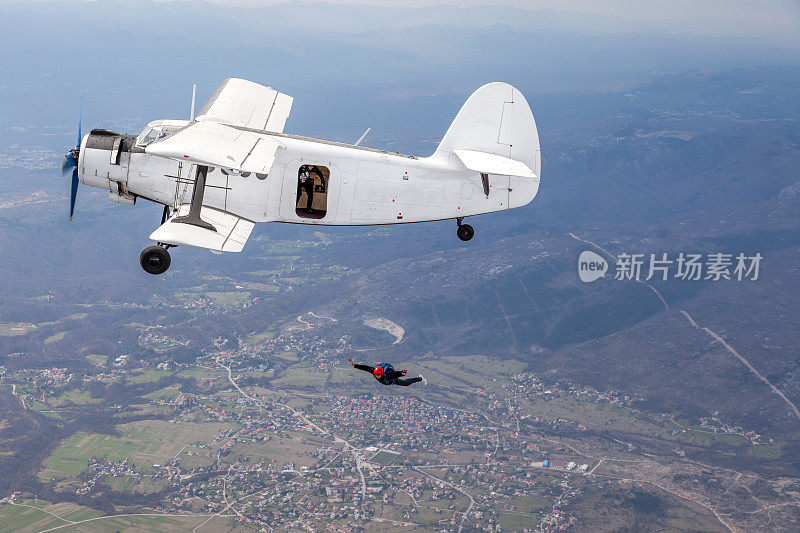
x: 211, y: 140
x: 244, y: 103
x: 207, y: 143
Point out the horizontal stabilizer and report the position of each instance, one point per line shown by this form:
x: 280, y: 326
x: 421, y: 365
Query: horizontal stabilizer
x: 231, y: 232
x: 493, y: 164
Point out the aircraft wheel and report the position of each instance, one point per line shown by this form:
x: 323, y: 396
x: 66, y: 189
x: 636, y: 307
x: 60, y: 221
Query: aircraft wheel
x: 154, y: 260
x: 465, y: 232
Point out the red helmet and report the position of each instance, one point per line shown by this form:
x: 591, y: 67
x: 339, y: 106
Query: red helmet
x: 378, y: 372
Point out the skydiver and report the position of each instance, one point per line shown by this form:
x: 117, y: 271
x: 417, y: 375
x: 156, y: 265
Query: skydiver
x: 387, y: 375
x: 306, y: 182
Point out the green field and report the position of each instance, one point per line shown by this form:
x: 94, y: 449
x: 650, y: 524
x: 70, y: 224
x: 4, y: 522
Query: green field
x: 148, y: 376
x: 72, y: 457
x: 384, y: 457
x: 36, y: 405
x: 120, y: 484
x: 97, y: 360
x: 467, y: 371
x: 18, y: 517
x: 296, y: 280
x: 518, y: 521
x: 768, y: 451
x: 145, y: 443
x: 708, y: 438
x: 282, y: 449
x: 55, y: 337
x: 12, y: 329
x: 592, y: 414
x: 259, y: 338
x: 201, y: 372
x: 484, y: 366
x: 150, y: 410
x: 160, y: 345
x: 231, y: 299
x: 260, y: 287
x: 164, y: 394
x: 302, y: 376
x: 289, y: 355
x: 268, y: 273
x: 75, y: 396
x: 22, y: 516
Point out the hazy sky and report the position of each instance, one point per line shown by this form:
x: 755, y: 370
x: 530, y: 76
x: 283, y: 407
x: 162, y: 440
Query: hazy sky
x: 777, y: 20
x: 746, y: 11
x: 774, y: 20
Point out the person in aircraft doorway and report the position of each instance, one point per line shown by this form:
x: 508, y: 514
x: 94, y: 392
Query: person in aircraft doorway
x: 305, y: 182
x: 387, y: 375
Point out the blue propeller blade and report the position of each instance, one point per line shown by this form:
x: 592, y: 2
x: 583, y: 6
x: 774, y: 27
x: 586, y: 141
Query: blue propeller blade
x: 70, y: 161
x: 73, y: 192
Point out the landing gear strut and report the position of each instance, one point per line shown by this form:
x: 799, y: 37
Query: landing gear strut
x: 155, y: 259
x: 465, y: 231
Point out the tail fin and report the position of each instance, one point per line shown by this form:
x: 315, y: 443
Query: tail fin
x: 497, y: 120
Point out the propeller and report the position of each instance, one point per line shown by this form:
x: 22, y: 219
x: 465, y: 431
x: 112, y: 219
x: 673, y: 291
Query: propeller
x: 71, y: 161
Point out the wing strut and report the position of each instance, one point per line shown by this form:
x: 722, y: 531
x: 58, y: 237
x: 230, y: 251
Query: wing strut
x: 362, y: 137
x: 485, y: 180
x: 193, y: 217
x: 191, y: 110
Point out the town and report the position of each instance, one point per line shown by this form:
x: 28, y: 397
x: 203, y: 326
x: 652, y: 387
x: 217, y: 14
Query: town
x: 276, y: 432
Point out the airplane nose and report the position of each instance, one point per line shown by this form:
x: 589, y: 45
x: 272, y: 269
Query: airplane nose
x: 94, y: 162
x: 104, y: 158
x: 78, y: 156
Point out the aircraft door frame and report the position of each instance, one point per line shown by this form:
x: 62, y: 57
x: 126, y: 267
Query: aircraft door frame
x: 288, y: 203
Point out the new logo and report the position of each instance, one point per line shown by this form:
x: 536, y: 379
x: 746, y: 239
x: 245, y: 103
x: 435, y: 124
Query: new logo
x: 591, y: 266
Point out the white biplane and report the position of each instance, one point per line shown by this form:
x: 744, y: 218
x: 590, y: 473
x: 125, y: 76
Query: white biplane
x: 231, y: 166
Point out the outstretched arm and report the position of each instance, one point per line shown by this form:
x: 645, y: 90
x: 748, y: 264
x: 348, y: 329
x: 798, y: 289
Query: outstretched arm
x: 358, y: 366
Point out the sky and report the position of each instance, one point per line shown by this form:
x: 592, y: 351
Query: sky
x: 777, y: 20
x: 381, y: 56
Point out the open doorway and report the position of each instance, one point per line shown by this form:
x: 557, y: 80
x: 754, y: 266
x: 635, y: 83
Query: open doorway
x: 312, y: 191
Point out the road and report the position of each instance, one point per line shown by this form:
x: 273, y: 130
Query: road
x: 21, y: 399
x: 755, y: 372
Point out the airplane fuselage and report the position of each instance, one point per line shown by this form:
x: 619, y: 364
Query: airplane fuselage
x: 361, y: 186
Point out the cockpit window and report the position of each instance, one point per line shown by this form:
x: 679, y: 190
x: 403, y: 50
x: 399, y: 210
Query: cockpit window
x: 148, y: 136
x: 155, y: 133
x: 166, y: 131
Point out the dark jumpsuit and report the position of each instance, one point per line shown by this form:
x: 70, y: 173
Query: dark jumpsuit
x: 305, y: 182
x: 390, y: 375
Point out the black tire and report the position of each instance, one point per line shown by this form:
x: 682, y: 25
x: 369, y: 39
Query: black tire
x: 154, y: 260
x: 465, y: 232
